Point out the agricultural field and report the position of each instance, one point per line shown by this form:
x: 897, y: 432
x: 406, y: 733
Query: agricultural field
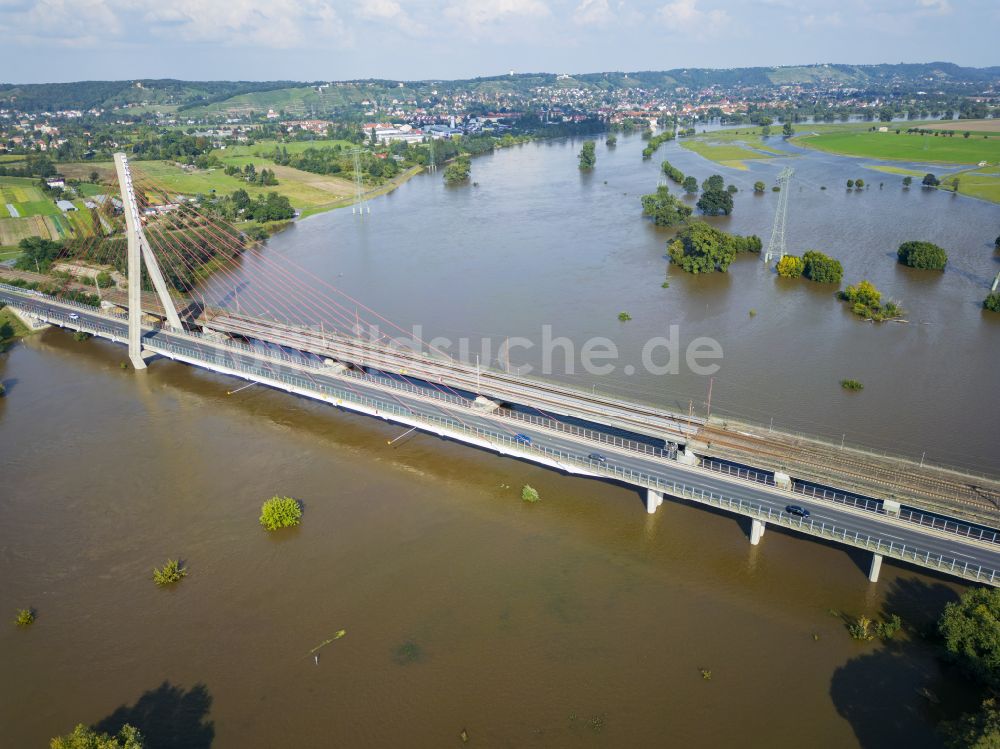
x: 266, y: 146
x: 901, y: 170
x: 891, y: 146
x: 983, y: 183
x: 973, y: 126
x: 730, y: 148
x: 35, y: 213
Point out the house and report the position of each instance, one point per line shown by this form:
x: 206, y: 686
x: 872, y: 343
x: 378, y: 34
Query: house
x: 65, y: 206
x: 54, y: 181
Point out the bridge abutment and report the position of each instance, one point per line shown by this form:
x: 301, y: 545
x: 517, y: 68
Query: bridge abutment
x: 756, y: 530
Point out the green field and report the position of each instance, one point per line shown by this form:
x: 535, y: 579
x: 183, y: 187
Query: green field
x: 902, y: 147
x: 981, y: 183
x: 730, y: 148
x: 895, y: 170
x: 266, y: 146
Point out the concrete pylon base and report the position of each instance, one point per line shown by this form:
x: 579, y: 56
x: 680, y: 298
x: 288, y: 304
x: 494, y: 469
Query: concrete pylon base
x: 653, y: 500
x: 756, y: 531
x: 875, y: 568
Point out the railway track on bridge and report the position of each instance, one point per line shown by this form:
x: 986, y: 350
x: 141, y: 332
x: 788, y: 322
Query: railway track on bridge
x: 867, y: 475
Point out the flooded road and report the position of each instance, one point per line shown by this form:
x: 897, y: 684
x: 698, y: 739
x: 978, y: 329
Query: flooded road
x: 577, y: 621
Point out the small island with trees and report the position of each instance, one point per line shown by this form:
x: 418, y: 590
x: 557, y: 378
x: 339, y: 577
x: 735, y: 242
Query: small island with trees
x: 922, y: 255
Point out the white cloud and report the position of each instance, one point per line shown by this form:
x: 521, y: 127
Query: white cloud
x: 685, y: 15
x: 592, y: 12
x: 277, y: 24
x: 391, y: 13
x: 81, y: 23
x: 939, y: 7
x: 479, y: 13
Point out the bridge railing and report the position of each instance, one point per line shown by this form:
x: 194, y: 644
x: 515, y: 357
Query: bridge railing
x: 41, y: 308
x: 875, y: 544
x: 749, y: 474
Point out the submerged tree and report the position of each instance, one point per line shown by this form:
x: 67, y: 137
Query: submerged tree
x: 588, y: 155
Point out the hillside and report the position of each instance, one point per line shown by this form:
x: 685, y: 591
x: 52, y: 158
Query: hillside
x: 201, y: 98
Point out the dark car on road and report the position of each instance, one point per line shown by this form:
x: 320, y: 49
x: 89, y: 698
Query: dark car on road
x: 802, y: 512
x: 522, y: 439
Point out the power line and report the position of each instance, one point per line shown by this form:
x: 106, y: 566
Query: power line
x: 776, y: 245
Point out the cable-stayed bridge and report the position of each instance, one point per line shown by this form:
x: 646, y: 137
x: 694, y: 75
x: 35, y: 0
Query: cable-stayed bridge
x: 305, y: 337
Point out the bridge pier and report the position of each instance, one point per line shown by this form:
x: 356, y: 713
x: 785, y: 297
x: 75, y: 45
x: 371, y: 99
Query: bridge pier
x: 875, y: 568
x: 756, y: 530
x: 653, y: 500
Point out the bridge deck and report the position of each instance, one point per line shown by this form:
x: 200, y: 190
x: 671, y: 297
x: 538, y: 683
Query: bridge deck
x: 847, y: 468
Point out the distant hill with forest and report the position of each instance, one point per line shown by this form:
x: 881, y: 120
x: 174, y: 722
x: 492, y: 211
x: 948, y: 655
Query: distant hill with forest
x: 213, y: 97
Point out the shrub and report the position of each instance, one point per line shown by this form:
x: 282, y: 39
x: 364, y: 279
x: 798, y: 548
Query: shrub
x: 866, y: 302
x: 861, y: 629
x: 776, y: 188
x: 701, y: 248
x: 992, y: 301
x: 624, y: 316
x: 128, y: 737
x: 930, y: 180
x: 715, y: 203
x: 280, y: 512
x: 25, y: 617
x: 758, y: 187
x: 81, y: 335
x: 850, y: 184
x: 790, y: 266
x: 852, y: 385
x: 886, y: 630
x: 821, y: 268
x: 859, y: 183
x: 907, y: 181
x: 458, y: 171
x: 170, y: 573
x: 970, y: 628
x: 664, y: 208
x: 529, y: 494
x: 923, y: 255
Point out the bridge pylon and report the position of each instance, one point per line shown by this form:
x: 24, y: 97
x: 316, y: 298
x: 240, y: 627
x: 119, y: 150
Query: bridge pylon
x: 139, y: 250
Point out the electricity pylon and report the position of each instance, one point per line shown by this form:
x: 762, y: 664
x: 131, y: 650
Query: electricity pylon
x: 776, y: 245
x: 359, y: 188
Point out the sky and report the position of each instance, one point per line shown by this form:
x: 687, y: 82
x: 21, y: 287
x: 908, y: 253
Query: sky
x: 312, y: 40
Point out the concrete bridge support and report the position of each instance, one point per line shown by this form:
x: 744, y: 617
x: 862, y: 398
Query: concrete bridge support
x: 756, y: 530
x: 653, y: 500
x: 876, y: 566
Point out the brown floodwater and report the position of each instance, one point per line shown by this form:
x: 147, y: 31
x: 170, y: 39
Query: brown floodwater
x: 578, y: 621
x: 535, y: 242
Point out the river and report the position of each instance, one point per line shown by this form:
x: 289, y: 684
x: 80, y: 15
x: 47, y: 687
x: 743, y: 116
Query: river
x: 576, y: 621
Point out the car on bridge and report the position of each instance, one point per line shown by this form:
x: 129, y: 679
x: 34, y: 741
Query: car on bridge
x: 73, y: 316
x: 522, y: 439
x: 597, y: 458
x: 798, y: 510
